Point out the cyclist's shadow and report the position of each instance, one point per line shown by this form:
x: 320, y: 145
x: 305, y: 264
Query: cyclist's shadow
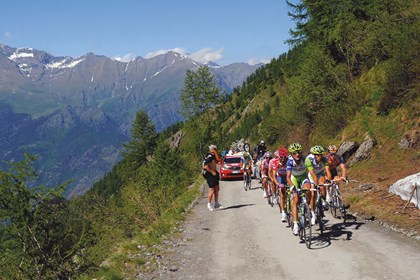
x: 337, y: 231
x: 237, y: 206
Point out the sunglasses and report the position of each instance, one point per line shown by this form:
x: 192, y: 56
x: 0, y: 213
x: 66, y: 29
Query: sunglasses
x: 297, y: 153
x: 318, y: 155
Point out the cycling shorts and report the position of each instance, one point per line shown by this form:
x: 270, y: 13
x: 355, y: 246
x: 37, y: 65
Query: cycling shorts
x: 334, y: 172
x: 282, y: 180
x: 299, y: 181
x: 319, y: 175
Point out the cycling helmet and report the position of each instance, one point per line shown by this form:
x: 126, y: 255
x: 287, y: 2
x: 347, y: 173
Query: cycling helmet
x: 276, y: 154
x: 282, y: 152
x: 317, y: 150
x: 245, y: 154
x: 268, y: 154
x: 332, y: 148
x: 262, y: 142
x: 295, y: 147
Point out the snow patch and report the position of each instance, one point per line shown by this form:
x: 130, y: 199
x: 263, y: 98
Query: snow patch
x: 17, y: 55
x: 65, y: 63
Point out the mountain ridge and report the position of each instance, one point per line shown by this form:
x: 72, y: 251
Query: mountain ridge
x: 94, y: 95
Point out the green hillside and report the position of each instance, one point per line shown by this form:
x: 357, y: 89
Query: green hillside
x: 352, y: 72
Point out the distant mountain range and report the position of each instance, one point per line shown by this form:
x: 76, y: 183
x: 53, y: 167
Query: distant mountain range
x: 74, y: 113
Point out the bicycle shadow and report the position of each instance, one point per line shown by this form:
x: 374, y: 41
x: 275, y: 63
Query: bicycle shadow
x: 237, y: 206
x: 334, y: 232
x: 255, y: 185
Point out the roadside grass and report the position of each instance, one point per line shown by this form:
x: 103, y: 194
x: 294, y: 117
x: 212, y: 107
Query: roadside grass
x: 132, y: 254
x: 386, y: 164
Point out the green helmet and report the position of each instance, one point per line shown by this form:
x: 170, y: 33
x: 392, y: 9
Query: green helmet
x: 295, y: 147
x: 245, y: 154
x: 317, y: 150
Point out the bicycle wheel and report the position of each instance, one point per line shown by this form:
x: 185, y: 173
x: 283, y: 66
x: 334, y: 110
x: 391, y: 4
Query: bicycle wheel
x: 288, y: 210
x: 319, y: 214
x: 342, y: 209
x: 249, y: 182
x: 307, y: 226
x: 269, y: 196
x: 334, y: 203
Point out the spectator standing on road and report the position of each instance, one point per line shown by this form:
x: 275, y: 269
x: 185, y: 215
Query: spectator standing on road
x: 212, y: 177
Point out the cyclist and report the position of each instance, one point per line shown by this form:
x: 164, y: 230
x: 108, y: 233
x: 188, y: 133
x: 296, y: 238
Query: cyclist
x: 316, y: 163
x: 264, y: 171
x: 277, y: 170
x: 334, y: 161
x: 272, y: 173
x: 247, y: 166
x: 296, y: 175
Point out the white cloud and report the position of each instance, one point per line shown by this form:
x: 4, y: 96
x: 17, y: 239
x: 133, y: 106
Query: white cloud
x: 162, y: 51
x: 125, y: 58
x: 207, y: 54
x: 253, y: 61
x: 203, y: 55
x: 8, y: 34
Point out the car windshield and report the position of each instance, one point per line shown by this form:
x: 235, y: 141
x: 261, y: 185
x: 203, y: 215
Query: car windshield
x: 233, y: 160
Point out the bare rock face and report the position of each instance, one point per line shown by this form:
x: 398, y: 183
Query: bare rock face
x: 347, y: 149
x: 410, y: 140
x: 175, y: 140
x: 364, y: 150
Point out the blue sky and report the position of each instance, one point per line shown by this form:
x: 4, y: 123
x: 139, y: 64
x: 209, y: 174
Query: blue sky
x: 223, y: 31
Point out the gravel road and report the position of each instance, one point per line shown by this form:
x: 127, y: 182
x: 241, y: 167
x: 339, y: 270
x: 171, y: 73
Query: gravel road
x: 247, y: 240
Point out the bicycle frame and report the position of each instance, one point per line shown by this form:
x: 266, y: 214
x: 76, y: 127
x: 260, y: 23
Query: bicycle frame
x: 304, y: 218
x: 319, y: 208
x: 288, y: 206
x: 337, y: 200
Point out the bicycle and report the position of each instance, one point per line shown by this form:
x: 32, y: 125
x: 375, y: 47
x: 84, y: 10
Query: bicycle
x: 336, y: 202
x: 304, y: 218
x: 288, y: 207
x: 319, y: 207
x: 247, y: 181
x: 270, y: 196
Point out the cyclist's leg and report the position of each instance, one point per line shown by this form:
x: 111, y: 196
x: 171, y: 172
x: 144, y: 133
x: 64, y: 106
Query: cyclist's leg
x: 310, y: 196
x: 321, y: 180
x: 282, y: 191
x: 273, y: 188
x: 295, y: 199
x: 264, y: 184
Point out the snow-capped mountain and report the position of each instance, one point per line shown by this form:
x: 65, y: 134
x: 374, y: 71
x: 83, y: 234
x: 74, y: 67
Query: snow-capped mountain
x: 64, y: 102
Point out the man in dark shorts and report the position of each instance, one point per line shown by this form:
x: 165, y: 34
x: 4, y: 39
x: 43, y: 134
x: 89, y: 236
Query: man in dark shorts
x: 212, y: 177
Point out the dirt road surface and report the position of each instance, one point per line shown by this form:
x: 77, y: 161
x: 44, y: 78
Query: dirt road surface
x: 247, y: 240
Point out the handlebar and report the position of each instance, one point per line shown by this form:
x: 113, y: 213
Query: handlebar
x: 330, y: 183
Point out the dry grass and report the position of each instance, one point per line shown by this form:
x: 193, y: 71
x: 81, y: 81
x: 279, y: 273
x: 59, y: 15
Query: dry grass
x: 381, y: 172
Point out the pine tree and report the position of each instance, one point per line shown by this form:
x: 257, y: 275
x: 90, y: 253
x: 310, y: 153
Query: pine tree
x: 200, y: 92
x: 143, y: 140
x: 38, y: 237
